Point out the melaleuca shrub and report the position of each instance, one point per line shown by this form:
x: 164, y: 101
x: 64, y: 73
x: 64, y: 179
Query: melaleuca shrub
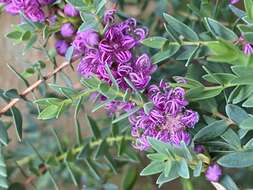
x: 170, y: 82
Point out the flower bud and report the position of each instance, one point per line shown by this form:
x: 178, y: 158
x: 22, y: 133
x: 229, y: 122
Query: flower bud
x: 70, y: 10
x: 61, y: 47
x: 67, y: 30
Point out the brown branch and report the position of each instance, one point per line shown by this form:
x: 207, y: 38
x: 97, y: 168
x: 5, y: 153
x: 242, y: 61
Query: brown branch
x: 32, y: 178
x: 31, y: 88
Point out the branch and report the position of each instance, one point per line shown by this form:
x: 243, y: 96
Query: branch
x: 35, y: 85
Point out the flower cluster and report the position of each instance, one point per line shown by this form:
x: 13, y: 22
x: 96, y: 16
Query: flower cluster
x: 67, y: 30
x: 167, y: 120
x: 115, y: 49
x: 32, y: 9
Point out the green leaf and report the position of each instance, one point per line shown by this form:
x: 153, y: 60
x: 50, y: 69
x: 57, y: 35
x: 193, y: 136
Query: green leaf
x: 202, y: 93
x: 248, y: 103
x: 180, y: 28
x: 17, y: 186
x: 18, y: 122
x: 100, y: 6
x: 221, y: 78
x: 219, y: 30
x: 130, y: 178
x: 76, y: 3
x: 242, y: 70
x: 223, y: 51
x: 155, y: 42
x: 15, y: 35
x: 249, y: 144
x: 167, y: 167
x: 211, y: 131
x: 197, y: 169
x: 157, y: 156
x: 69, y: 53
x: 238, y: 12
x: 77, y: 124
x: 49, y: 112
x: 159, y: 146
x: 235, y: 113
x: 153, y: 168
x: 92, y: 168
x: 247, y: 124
x: 237, y: 159
x: 172, y: 175
x: 249, y: 9
x: 85, y: 152
x: 92, y: 82
x: 182, y: 169
x: 102, y: 149
x: 242, y: 93
x: 94, y: 128
x: 3, y: 171
x: 148, y: 107
x: 111, y: 163
x: 126, y: 115
x: 248, y: 36
x: 166, y: 53
x: 3, y: 134
x: 232, y: 138
x: 228, y: 183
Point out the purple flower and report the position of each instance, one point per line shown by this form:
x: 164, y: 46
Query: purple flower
x: 67, y: 30
x: 12, y: 9
x: 233, y: 1
x: 31, y: 8
x: 109, y: 16
x: 52, y: 20
x: 35, y: 14
x: 167, y: 120
x: 247, y: 49
x: 199, y: 149
x: 177, y: 137
x: 87, y: 39
x: 45, y: 2
x: 70, y: 10
x: 213, y: 172
x: 61, y: 47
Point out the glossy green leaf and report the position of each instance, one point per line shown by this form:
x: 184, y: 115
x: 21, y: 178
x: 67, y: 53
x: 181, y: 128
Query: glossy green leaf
x: 130, y: 178
x: 211, y: 131
x: 228, y: 183
x: 172, y: 175
x: 201, y: 93
x: 3, y: 134
x: 166, y: 53
x: 94, y: 128
x: 182, y: 169
x: 180, y: 28
x: 18, y: 122
x: 247, y: 124
x: 221, y: 78
x: 154, y: 42
x: 197, y: 169
x: 219, y: 30
x: 153, y: 168
x: 3, y: 171
x: 236, y: 113
x: 126, y: 115
x: 237, y: 159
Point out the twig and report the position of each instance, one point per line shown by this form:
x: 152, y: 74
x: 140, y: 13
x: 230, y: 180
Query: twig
x: 31, y: 88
